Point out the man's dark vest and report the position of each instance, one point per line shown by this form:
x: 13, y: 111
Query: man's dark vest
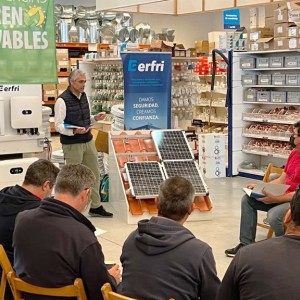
x: 77, y: 113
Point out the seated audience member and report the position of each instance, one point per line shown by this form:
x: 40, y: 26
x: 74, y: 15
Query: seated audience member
x: 38, y: 183
x: 268, y: 269
x: 55, y: 243
x: 162, y: 259
x: 276, y: 206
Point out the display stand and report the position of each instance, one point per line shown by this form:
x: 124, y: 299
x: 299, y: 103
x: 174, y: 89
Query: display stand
x: 133, y: 146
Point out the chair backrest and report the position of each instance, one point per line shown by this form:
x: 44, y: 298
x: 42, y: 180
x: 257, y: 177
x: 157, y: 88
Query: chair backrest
x: 19, y: 286
x: 6, y: 268
x: 108, y: 293
x: 271, y: 170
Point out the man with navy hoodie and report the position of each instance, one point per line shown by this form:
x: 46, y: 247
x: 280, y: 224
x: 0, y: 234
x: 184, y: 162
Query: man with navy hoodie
x: 162, y: 259
x: 38, y: 184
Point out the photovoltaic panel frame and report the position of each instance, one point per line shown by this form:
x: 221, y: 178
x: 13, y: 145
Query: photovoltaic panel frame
x: 144, y: 178
x: 189, y: 170
x: 172, y: 145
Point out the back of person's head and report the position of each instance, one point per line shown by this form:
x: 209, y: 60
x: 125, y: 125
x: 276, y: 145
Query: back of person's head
x: 74, y: 178
x: 41, y: 171
x: 295, y: 207
x: 176, y: 195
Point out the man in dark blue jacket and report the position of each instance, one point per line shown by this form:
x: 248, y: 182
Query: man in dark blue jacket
x: 55, y: 243
x: 38, y: 183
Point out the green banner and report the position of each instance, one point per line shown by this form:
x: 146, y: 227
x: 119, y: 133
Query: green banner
x: 27, y: 42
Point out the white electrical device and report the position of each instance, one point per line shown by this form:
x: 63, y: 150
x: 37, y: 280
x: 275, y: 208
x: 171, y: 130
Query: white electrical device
x: 13, y: 170
x: 25, y: 112
x: 21, y: 128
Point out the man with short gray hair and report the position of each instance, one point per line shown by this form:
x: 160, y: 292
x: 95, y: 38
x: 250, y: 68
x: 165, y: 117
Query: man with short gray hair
x: 72, y: 108
x: 162, y: 259
x: 55, y: 243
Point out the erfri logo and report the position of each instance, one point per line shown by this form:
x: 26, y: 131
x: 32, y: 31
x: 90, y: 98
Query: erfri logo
x: 154, y: 66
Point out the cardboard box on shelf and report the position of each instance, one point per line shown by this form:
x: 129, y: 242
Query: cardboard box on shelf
x: 294, y: 43
x: 63, y: 80
x: 63, y: 65
x: 212, y: 167
x: 269, y: 22
x: 49, y: 87
x: 290, y: 12
x: 202, y: 46
x: 179, y: 51
x: 62, y: 86
x: 254, y: 20
x: 258, y: 33
x: 262, y: 44
x: 50, y: 92
x: 212, y: 46
x: 62, y: 54
x: 73, y: 60
x: 213, y: 37
x: 49, y: 98
x: 281, y: 43
x: 293, y: 31
x: 162, y: 45
x: 191, y: 52
x: 211, y: 144
x: 281, y: 29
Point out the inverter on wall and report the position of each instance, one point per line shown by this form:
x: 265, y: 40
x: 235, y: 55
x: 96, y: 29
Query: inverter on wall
x: 13, y: 170
x: 26, y: 112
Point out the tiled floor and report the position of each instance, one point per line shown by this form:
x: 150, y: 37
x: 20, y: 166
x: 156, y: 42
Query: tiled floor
x: 220, y: 233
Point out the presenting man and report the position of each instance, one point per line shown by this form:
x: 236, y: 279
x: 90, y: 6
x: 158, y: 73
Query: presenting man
x: 55, y: 243
x: 268, y: 269
x: 72, y: 108
x: 162, y: 259
x: 276, y: 206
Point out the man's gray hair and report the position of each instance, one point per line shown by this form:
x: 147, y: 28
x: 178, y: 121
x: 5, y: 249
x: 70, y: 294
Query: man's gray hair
x: 73, y: 75
x: 74, y: 178
x: 176, y: 195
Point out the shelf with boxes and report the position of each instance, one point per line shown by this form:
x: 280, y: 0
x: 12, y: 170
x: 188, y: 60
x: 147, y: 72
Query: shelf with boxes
x: 266, y: 104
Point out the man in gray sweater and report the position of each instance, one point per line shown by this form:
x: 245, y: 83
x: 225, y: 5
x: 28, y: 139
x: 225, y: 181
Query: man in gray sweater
x: 268, y: 269
x: 162, y: 259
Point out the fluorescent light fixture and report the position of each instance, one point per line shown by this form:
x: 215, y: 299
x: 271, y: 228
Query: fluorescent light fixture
x: 113, y: 4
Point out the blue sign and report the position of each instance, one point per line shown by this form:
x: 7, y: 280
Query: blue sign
x: 147, y: 90
x: 232, y: 19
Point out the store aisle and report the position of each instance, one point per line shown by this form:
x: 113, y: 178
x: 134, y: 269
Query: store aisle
x: 220, y: 233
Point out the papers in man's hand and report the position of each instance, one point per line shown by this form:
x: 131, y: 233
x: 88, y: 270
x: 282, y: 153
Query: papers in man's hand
x: 70, y: 126
x: 275, y: 189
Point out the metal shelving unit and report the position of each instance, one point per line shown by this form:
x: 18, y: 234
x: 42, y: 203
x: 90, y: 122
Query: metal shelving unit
x: 240, y: 119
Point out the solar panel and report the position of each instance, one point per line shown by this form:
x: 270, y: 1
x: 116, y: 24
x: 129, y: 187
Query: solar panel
x: 189, y: 170
x: 172, y: 144
x: 144, y: 178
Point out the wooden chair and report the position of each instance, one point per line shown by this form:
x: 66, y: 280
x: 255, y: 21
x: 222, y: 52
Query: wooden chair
x: 19, y: 286
x: 108, y: 293
x: 6, y: 268
x: 270, y: 170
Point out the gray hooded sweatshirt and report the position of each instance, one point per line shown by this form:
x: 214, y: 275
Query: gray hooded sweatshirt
x: 161, y: 259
